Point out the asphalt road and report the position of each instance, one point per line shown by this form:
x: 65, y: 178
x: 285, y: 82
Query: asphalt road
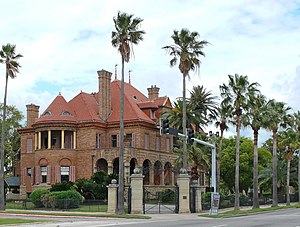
x: 282, y: 218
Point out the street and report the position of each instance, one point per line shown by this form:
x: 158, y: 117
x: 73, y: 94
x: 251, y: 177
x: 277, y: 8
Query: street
x: 286, y: 218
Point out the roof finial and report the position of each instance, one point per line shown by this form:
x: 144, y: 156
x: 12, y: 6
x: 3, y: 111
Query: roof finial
x: 116, y: 71
x: 129, y: 80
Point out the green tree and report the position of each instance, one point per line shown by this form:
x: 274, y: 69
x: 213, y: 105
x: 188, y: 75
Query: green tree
x: 187, y: 48
x: 277, y: 113
x: 203, y: 102
x: 296, y: 125
x: 222, y: 123
x: 12, y: 138
x: 10, y: 59
x: 127, y: 33
x: 237, y: 93
x: 255, y: 119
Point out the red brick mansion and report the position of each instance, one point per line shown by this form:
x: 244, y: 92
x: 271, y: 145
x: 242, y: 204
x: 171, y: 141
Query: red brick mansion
x: 73, y: 140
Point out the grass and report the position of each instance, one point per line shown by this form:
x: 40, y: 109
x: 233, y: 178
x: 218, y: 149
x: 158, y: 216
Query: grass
x: 13, y: 221
x: 233, y: 213
x: 62, y: 213
x: 19, y: 205
x: 91, y: 208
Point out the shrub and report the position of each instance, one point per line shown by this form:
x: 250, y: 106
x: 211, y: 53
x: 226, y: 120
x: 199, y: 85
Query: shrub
x: 67, y: 199
x: 36, y: 197
x: 63, y: 186
x: 48, y: 201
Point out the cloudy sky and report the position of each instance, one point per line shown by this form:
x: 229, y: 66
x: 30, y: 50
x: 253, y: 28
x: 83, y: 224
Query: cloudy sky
x: 64, y: 43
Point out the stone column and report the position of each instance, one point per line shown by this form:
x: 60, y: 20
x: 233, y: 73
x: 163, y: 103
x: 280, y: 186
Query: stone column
x: 151, y: 176
x: 172, y: 177
x: 183, y: 182
x: 62, y: 139
x: 198, y: 196
x: 39, y: 140
x: 126, y: 172
x: 35, y: 141
x: 112, y: 197
x: 49, y: 139
x: 137, y: 192
x: 162, y: 177
x: 109, y: 167
x: 74, y: 138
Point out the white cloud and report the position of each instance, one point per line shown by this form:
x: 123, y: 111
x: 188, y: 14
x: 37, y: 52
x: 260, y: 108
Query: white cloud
x: 64, y: 43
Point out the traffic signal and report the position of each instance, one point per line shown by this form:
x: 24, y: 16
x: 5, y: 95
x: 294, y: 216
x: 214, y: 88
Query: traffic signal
x: 164, y: 129
x: 190, y: 136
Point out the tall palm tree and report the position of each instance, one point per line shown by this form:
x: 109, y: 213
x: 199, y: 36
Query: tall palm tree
x: 255, y: 119
x: 277, y: 113
x: 297, y: 128
x: 222, y: 123
x: 8, y: 57
x: 204, y: 102
x: 127, y: 33
x: 174, y: 115
x: 187, y: 49
x: 237, y: 93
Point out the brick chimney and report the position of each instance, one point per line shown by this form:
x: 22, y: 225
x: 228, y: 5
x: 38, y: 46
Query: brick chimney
x: 153, y: 92
x: 104, y: 102
x: 32, y: 114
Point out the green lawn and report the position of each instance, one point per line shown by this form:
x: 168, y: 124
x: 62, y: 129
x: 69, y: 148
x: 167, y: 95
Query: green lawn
x: 13, y: 221
x: 19, y: 205
x: 233, y: 213
x: 91, y: 208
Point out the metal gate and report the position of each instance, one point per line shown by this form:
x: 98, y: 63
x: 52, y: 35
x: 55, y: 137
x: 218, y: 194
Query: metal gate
x: 161, y: 199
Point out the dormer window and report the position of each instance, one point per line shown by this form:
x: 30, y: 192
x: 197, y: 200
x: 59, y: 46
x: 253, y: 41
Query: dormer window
x: 66, y: 113
x: 47, y: 113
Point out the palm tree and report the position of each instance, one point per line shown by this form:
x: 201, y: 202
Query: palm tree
x: 174, y: 115
x: 10, y: 59
x: 187, y: 49
x: 126, y: 34
x: 255, y: 119
x: 222, y: 123
x: 237, y: 93
x: 204, y: 102
x: 297, y: 128
x: 278, y: 117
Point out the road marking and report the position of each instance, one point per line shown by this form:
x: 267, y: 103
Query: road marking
x: 219, y: 225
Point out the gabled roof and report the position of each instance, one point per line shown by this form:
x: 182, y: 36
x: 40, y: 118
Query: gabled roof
x: 84, y: 107
x: 131, y: 97
x: 58, y: 110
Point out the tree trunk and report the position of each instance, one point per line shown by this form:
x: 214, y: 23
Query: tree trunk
x: 2, y: 196
x: 274, y: 170
x: 237, y: 165
x: 185, y: 165
x: 120, y: 207
x: 255, y: 171
x: 219, y: 162
x: 288, y: 202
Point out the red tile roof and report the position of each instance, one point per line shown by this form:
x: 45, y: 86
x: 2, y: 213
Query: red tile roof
x: 84, y: 106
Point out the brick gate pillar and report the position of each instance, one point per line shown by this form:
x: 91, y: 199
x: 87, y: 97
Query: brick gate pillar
x: 183, y: 181
x: 137, y: 192
x: 112, y: 197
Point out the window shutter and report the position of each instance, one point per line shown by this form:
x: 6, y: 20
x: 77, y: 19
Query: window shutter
x: 57, y: 174
x: 37, y: 174
x: 48, y: 174
x: 72, y: 173
x: 118, y: 140
x: 133, y: 140
x: 29, y: 145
